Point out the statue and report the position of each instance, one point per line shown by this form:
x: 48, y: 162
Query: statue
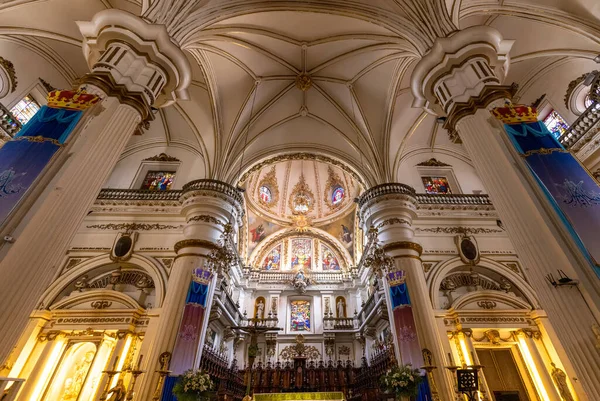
x: 560, y: 378
x: 260, y: 310
x: 300, y: 282
x: 118, y: 392
x: 341, y: 310
x: 74, y: 384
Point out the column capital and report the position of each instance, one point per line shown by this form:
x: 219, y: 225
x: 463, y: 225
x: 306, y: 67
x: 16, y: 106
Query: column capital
x: 134, y: 60
x: 459, y: 67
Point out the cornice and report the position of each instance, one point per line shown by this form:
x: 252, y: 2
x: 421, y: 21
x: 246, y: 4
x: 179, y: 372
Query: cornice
x: 392, y: 246
x: 194, y: 243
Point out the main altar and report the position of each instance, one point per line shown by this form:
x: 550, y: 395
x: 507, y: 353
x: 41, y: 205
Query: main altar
x: 320, y: 396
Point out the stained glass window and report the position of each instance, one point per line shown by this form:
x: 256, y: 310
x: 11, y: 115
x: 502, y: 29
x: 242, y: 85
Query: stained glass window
x: 265, y: 194
x: 337, y: 195
x: 302, y: 253
x: 25, y: 109
x: 158, y: 180
x: 436, y: 185
x: 329, y: 261
x: 300, y: 316
x: 273, y: 259
x: 555, y: 124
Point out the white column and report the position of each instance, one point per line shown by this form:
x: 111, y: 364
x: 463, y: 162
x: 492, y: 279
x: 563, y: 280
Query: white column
x: 41, y: 373
x: 528, y: 336
x: 112, y: 361
x: 459, y: 79
x: 483, y: 386
x: 134, y: 65
x: 391, y: 209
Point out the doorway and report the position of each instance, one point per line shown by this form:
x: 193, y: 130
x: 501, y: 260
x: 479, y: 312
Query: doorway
x: 502, y: 374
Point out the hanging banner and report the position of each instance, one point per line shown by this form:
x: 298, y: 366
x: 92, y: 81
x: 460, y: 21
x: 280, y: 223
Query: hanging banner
x: 572, y: 190
x: 192, y: 323
x: 23, y: 158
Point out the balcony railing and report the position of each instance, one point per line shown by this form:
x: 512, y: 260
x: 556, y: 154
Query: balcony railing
x: 334, y: 323
x: 384, y: 189
x: 282, y: 277
x: 586, y: 121
x: 453, y: 199
x: 138, y: 194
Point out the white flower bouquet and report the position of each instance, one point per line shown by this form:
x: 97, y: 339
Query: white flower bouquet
x: 193, y: 385
x: 402, y: 380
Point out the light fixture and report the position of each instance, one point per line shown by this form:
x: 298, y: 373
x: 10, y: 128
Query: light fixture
x: 597, y: 59
x: 563, y: 280
x: 468, y: 382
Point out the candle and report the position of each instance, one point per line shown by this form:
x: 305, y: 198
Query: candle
x: 114, y: 368
x: 450, y: 359
x: 139, y: 362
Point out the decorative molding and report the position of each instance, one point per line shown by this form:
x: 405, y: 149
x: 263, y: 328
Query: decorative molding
x: 403, y: 245
x: 197, y: 243
x: 134, y: 226
x: 101, y: 304
x: 489, y: 94
x: 459, y: 230
x: 72, y: 262
x: 300, y: 156
x: 167, y: 262
x: 162, y: 157
x: 205, y: 218
x: 10, y: 71
x: 572, y: 86
x: 303, y: 82
x: 487, y: 304
x: 49, y: 88
x: 433, y: 162
x: 392, y: 221
x: 301, y: 187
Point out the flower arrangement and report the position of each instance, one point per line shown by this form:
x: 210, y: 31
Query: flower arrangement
x: 402, y: 380
x: 193, y: 385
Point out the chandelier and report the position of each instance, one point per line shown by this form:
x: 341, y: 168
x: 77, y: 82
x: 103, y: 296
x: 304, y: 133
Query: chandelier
x: 375, y: 258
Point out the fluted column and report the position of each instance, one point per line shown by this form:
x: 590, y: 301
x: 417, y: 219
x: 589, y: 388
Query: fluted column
x: 134, y: 66
x: 391, y: 208
x: 460, y: 79
x: 546, y: 384
x: 208, y: 206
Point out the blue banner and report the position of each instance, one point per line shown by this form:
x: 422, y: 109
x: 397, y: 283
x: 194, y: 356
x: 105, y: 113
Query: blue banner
x: 25, y: 156
x: 573, y: 191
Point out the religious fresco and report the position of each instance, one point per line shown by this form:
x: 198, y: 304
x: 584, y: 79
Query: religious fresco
x: 343, y: 231
x: 436, y: 185
x: 300, y: 316
x: 328, y: 259
x: 337, y: 196
x: 273, y: 259
x: 258, y: 230
x: 302, y: 253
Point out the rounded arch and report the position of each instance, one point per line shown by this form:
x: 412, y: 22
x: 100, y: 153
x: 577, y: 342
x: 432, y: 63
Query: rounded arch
x: 147, y: 264
x: 441, y: 270
x: 259, y: 253
x: 502, y: 298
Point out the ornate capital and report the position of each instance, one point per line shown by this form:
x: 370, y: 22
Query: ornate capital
x: 194, y: 243
x: 8, y: 77
x: 138, y: 56
x: 390, y: 191
x: 458, y: 67
x: 193, y: 191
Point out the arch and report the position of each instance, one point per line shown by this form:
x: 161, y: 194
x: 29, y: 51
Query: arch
x: 92, y: 295
x: 259, y: 253
x: 148, y: 265
x: 505, y: 299
x: 440, y: 271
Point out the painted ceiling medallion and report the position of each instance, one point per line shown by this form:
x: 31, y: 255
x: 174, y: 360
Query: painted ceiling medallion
x: 303, y: 82
x: 335, y: 194
x: 268, y: 190
x: 302, y: 200
x: 433, y: 162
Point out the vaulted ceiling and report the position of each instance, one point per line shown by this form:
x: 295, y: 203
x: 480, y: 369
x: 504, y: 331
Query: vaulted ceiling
x: 329, y: 77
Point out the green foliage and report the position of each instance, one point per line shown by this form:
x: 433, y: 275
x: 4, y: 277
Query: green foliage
x: 193, y: 385
x: 401, y: 380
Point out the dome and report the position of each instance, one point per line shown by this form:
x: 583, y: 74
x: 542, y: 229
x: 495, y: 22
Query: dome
x: 308, y: 192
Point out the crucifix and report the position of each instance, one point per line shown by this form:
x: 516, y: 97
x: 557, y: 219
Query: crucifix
x: 254, y: 329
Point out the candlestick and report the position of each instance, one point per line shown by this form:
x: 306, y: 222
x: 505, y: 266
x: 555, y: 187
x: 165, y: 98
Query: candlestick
x: 115, y: 363
x: 139, y: 362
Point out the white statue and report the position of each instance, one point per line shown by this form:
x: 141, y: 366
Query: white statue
x: 340, y: 309
x: 260, y: 310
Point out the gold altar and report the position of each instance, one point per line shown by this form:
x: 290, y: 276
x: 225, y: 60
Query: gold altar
x: 319, y: 396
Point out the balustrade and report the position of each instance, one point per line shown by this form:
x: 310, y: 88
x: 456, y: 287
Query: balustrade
x: 584, y: 123
x: 334, y: 323
x: 9, y: 388
x: 453, y: 199
x: 138, y: 194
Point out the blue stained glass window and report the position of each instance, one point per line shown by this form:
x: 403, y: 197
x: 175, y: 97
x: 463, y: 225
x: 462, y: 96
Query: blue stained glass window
x: 337, y: 195
x: 25, y: 109
x: 158, y: 180
x: 556, y: 124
